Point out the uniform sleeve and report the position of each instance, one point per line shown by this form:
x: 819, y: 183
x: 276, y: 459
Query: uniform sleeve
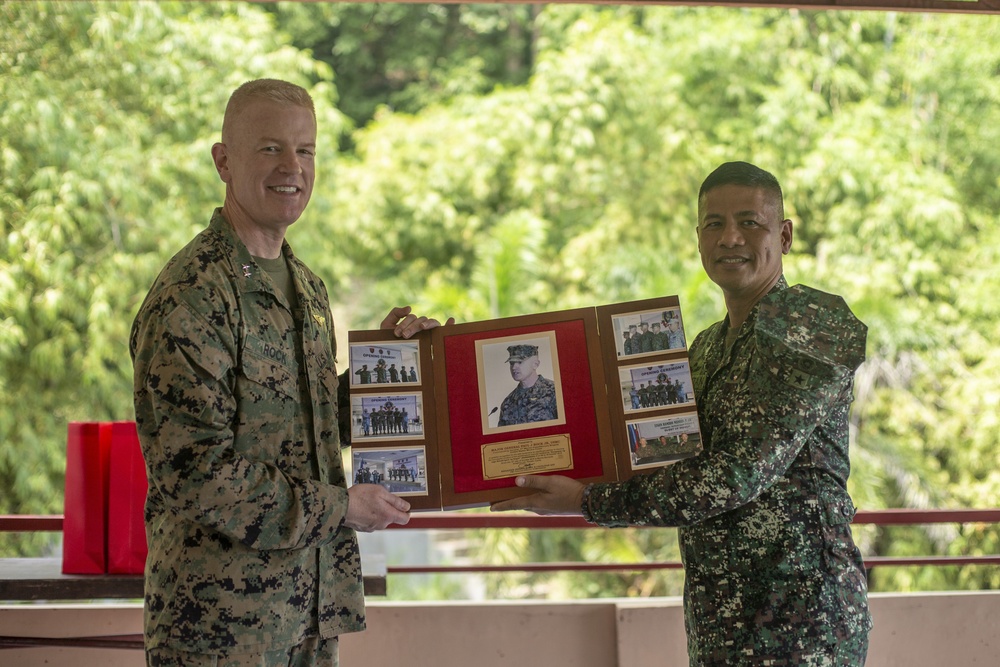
x: 807, y: 349
x: 186, y: 411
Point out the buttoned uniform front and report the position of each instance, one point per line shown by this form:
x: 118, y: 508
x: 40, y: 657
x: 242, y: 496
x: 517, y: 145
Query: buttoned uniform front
x: 247, y: 491
x: 772, y: 575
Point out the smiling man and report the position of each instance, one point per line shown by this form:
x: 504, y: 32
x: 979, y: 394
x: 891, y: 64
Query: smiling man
x: 253, y: 557
x: 772, y: 575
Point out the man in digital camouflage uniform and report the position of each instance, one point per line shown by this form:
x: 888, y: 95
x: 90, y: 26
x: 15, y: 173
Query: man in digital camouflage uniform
x: 534, y: 397
x: 253, y: 557
x: 772, y: 575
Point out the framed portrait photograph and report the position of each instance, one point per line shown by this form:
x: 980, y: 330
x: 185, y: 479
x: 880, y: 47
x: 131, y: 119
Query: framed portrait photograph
x: 519, y: 382
x: 519, y: 395
x: 656, y: 441
x: 401, y: 471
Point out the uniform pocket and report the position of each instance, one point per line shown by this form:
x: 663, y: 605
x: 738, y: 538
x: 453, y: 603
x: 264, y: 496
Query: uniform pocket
x: 269, y: 373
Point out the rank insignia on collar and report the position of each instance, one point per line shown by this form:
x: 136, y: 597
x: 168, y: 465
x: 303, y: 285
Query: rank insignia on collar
x: 246, y: 270
x: 320, y: 320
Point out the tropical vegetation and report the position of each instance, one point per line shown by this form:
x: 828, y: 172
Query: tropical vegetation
x: 483, y: 161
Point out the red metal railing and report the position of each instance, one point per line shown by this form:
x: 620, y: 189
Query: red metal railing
x: 464, y: 520
x: 467, y: 520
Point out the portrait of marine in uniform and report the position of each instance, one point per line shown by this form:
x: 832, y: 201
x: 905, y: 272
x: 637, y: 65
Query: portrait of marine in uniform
x: 536, y: 397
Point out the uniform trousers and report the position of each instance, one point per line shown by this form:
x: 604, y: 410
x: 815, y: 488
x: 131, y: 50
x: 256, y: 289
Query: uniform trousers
x: 313, y: 652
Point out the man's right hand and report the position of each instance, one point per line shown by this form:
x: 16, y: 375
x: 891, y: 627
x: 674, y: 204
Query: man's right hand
x: 370, y: 507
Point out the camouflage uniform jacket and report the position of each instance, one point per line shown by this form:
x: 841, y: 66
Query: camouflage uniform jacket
x: 771, y: 570
x: 247, y: 495
x: 535, y: 404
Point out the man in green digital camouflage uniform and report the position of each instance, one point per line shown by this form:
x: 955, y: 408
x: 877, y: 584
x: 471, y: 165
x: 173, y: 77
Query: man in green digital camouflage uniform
x: 253, y: 557
x: 772, y: 575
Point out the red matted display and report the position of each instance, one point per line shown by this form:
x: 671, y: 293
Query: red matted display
x: 465, y: 449
x: 460, y: 403
x: 464, y: 398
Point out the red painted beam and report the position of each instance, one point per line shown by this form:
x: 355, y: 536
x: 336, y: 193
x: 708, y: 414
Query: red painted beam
x: 465, y: 520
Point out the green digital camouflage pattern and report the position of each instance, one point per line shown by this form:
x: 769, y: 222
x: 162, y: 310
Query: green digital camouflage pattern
x: 247, y: 493
x: 772, y: 575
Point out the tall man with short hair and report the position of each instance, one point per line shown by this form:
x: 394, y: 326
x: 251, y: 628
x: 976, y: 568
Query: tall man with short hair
x: 253, y: 558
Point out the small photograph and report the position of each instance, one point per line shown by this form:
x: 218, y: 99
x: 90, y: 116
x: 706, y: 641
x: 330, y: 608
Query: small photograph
x: 387, y: 417
x: 653, y: 442
x: 401, y: 471
x: 519, y: 382
x: 652, y: 387
x: 649, y: 332
x: 385, y: 363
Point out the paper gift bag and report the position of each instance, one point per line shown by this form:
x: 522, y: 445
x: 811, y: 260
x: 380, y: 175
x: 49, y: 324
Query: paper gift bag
x: 126, y: 499
x: 86, y: 506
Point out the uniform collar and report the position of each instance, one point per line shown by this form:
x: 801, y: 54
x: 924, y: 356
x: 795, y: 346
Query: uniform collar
x: 751, y: 320
x: 248, y: 273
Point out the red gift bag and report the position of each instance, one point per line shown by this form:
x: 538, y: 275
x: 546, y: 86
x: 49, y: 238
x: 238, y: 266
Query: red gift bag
x: 126, y: 499
x: 86, y: 507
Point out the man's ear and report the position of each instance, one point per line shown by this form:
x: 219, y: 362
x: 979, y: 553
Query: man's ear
x: 786, y: 236
x: 220, y: 157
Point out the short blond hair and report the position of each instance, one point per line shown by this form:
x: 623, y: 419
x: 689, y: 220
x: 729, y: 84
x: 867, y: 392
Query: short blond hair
x: 275, y: 90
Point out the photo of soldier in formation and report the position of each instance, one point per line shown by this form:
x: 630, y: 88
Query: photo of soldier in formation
x: 385, y: 363
x: 385, y: 417
x: 655, y: 386
x: 646, y: 333
x: 400, y: 471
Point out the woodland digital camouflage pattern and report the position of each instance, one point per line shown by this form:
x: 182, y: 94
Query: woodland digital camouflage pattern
x: 534, y: 404
x: 247, y: 491
x: 772, y: 575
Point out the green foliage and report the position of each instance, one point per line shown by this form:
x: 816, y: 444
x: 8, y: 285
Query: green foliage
x: 514, y: 159
x: 105, y: 171
x: 407, y: 56
x: 863, y: 118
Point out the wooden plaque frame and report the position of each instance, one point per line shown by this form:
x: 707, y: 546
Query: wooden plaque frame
x: 470, y: 458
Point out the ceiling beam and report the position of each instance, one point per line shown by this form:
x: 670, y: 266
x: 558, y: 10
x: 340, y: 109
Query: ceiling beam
x: 947, y: 6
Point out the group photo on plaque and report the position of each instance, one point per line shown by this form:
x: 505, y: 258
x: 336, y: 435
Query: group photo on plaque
x: 649, y: 332
x: 385, y: 363
x: 387, y: 416
x: 659, y: 440
x: 401, y: 471
x: 647, y: 387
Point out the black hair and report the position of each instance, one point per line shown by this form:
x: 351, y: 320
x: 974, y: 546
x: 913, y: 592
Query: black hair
x: 742, y: 173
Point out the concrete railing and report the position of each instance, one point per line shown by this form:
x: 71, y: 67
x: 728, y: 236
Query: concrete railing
x: 911, y: 630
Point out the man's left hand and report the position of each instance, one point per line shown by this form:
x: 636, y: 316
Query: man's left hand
x: 404, y: 323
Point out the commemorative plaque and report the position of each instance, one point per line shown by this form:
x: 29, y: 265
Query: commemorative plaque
x: 449, y: 418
